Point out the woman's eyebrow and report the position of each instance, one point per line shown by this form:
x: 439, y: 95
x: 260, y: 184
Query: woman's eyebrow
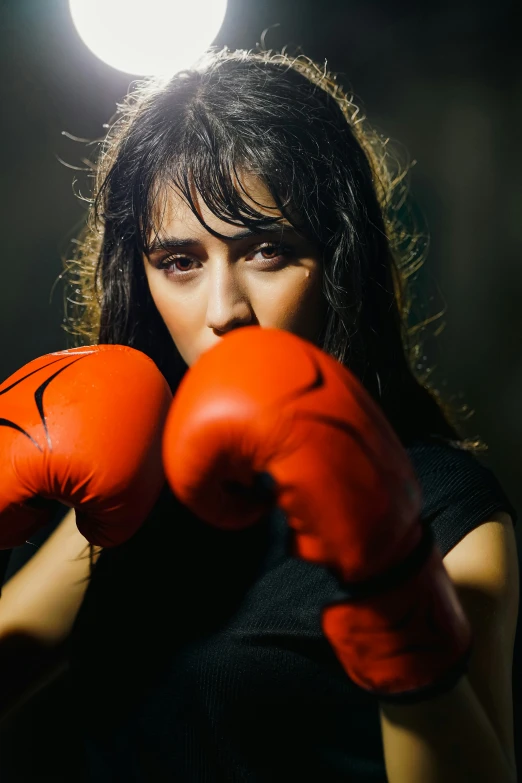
x: 171, y: 242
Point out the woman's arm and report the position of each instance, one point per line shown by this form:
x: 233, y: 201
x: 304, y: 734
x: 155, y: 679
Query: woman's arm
x: 467, y: 733
x: 447, y: 739
x: 38, y: 607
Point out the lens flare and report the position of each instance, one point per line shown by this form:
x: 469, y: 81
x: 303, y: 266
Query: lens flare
x: 157, y: 37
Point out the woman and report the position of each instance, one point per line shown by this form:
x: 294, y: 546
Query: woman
x: 247, y: 191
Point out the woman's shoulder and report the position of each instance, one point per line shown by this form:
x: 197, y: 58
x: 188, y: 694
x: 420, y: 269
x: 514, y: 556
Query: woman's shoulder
x: 459, y: 491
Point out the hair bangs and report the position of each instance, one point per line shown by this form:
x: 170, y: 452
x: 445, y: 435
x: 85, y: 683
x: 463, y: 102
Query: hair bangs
x: 217, y: 177
x: 222, y: 186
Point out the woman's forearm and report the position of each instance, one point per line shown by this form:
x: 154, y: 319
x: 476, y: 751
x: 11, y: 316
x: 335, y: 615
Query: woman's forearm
x: 446, y: 739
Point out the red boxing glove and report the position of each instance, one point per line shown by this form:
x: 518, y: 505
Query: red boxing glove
x: 84, y: 427
x: 264, y: 401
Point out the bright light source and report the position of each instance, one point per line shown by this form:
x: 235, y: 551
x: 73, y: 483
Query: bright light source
x: 146, y: 37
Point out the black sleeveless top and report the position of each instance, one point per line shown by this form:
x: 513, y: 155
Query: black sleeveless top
x: 198, y: 654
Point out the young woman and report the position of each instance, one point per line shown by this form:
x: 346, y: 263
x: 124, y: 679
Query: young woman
x: 248, y: 191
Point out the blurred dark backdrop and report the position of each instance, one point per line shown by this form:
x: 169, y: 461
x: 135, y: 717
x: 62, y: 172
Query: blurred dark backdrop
x: 442, y: 79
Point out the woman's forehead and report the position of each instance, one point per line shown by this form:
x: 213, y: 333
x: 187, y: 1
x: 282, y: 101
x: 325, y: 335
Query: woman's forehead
x: 171, y: 207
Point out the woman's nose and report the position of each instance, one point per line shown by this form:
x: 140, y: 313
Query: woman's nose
x: 228, y: 304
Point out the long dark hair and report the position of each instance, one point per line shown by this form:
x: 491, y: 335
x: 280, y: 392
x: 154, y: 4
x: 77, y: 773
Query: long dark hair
x: 287, y: 120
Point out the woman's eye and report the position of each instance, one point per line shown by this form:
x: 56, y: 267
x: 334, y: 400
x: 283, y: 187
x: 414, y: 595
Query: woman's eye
x: 181, y: 264
x: 272, y: 256
x: 175, y: 266
x: 276, y: 253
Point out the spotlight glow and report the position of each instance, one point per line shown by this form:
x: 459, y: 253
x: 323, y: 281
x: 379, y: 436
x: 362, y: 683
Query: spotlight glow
x: 156, y: 37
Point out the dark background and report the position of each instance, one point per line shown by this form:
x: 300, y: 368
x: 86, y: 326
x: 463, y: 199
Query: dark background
x: 442, y: 80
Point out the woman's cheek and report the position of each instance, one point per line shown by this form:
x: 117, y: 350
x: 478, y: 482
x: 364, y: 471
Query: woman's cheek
x: 304, y: 311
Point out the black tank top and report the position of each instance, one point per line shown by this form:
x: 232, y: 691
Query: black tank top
x: 198, y: 653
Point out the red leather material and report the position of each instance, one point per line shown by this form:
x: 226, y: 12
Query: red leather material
x: 84, y: 427
x: 266, y: 401
x: 405, y: 638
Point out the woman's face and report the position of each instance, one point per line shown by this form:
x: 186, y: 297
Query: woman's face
x: 204, y: 286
